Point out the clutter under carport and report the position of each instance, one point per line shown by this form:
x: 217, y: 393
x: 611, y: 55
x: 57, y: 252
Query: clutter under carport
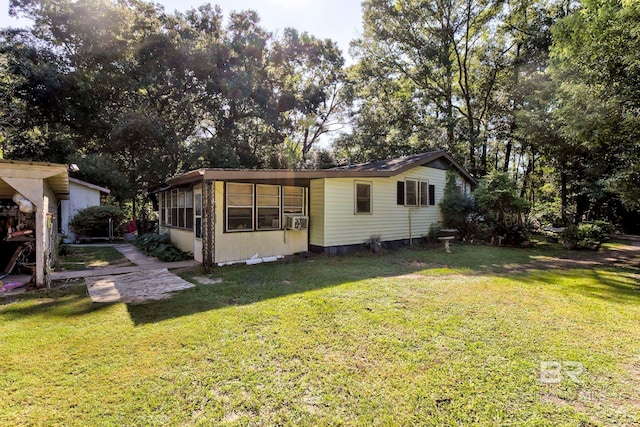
x: 29, y: 200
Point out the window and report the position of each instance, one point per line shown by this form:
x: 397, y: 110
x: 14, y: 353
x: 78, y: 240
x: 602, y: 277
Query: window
x: 176, y: 208
x: 363, y: 197
x: 413, y: 192
x: 424, y: 193
x: 261, y: 207
x: 293, y: 200
x: 198, y: 215
x: 410, y: 192
x: 268, y: 205
x: 239, y: 207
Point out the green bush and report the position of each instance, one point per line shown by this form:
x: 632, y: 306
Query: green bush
x: 455, y: 206
x: 94, y: 221
x: 434, y: 232
x: 159, y: 246
x: 586, y: 235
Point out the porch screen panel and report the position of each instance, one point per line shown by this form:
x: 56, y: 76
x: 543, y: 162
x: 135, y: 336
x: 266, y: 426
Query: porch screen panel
x: 181, y: 204
x: 188, y: 210
x: 174, y: 208
x: 198, y: 215
x: 163, y: 208
x: 239, y: 207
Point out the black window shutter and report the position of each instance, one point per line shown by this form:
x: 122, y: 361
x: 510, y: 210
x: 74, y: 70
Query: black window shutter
x: 400, y: 194
x: 432, y: 195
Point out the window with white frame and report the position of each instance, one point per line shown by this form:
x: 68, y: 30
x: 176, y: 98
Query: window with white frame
x: 424, y: 193
x: 411, y: 190
x: 362, y: 197
x: 268, y: 207
x: 239, y: 198
x: 415, y: 192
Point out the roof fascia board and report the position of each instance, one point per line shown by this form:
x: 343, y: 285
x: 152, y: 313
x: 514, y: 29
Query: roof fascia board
x: 89, y: 185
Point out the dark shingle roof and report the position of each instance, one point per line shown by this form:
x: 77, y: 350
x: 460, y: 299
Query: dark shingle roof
x: 392, y: 165
x: 381, y: 168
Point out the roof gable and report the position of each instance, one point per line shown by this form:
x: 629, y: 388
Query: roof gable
x: 402, y: 164
x: 89, y: 185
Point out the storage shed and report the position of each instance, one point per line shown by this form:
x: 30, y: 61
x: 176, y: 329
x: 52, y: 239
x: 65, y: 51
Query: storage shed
x: 82, y: 195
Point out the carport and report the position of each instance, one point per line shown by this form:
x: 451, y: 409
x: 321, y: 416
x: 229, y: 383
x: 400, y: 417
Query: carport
x: 44, y: 185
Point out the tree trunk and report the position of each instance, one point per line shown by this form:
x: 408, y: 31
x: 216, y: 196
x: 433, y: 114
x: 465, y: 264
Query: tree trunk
x: 563, y: 196
x: 514, y: 105
x: 525, y: 178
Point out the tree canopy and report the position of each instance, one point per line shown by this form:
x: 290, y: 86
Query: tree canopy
x: 543, y: 91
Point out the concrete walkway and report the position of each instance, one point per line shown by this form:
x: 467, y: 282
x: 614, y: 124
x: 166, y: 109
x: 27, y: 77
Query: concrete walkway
x: 134, y: 255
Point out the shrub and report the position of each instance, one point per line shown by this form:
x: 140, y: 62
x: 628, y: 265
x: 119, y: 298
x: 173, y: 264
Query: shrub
x: 455, y: 206
x: 434, y: 232
x: 498, y: 204
x: 586, y: 235
x: 159, y: 246
x: 94, y: 220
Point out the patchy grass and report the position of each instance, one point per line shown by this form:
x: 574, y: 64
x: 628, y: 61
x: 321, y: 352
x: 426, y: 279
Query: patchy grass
x: 414, y: 337
x: 89, y: 257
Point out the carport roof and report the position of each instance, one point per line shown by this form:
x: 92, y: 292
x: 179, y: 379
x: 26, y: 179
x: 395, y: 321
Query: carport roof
x: 56, y: 175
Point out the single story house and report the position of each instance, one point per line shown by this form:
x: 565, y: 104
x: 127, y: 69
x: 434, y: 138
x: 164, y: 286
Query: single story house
x: 29, y: 197
x: 233, y: 215
x: 81, y: 195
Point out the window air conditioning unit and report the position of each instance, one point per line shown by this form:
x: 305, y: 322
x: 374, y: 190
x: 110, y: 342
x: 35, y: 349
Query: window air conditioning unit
x: 295, y: 222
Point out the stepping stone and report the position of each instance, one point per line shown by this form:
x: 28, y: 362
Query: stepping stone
x: 135, y: 287
x: 207, y: 280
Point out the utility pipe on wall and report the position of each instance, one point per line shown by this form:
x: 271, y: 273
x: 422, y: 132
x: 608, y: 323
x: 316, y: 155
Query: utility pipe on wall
x: 410, y: 232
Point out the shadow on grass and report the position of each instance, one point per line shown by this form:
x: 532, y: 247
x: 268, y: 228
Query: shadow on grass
x: 65, y: 301
x: 242, y: 285
x: 614, y: 285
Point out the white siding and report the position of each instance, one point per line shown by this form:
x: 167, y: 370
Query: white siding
x: 316, y: 212
x: 80, y: 197
x: 239, y: 246
x: 181, y: 238
x: 390, y: 221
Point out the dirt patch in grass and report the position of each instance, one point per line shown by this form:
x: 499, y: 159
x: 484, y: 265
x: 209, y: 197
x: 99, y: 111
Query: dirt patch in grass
x: 90, y: 258
x: 626, y: 255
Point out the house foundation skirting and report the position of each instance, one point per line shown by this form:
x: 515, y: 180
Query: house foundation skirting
x: 361, y: 247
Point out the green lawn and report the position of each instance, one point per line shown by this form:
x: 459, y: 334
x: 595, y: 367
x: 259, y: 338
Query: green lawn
x: 88, y: 257
x: 412, y: 337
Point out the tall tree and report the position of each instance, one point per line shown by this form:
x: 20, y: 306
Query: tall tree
x: 596, y: 64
